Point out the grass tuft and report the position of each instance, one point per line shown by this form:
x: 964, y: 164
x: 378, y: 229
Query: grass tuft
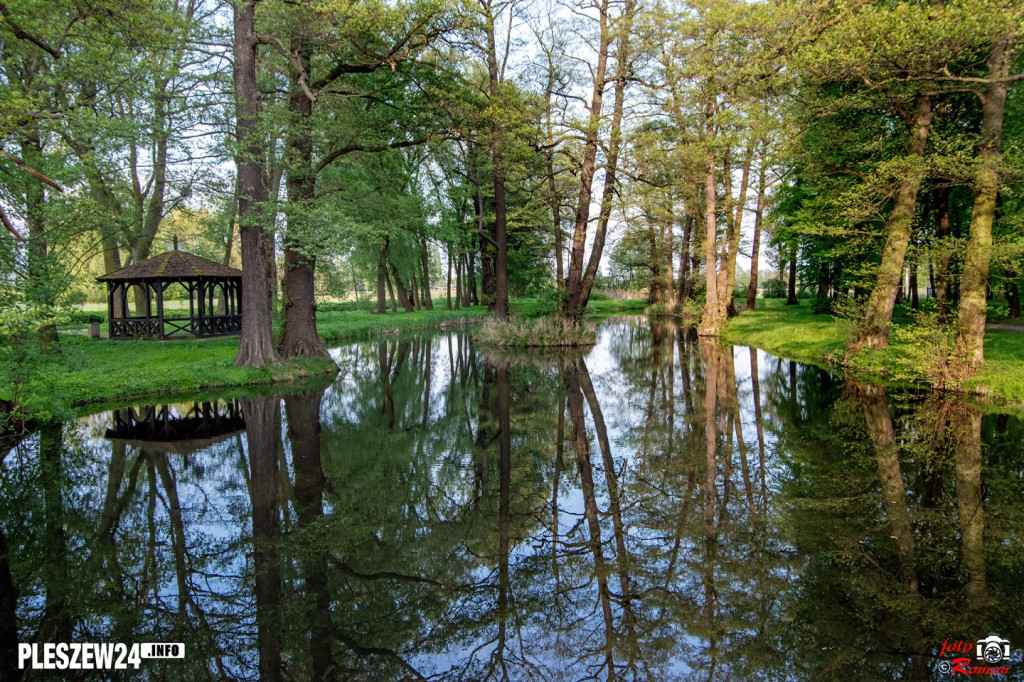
x: 544, y: 332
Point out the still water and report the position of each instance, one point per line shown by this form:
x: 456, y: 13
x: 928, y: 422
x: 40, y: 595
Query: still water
x: 655, y: 508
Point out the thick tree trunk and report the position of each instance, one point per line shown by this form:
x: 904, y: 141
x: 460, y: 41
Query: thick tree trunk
x: 458, y: 283
x: 878, y: 314
x: 256, y: 346
x: 755, y: 247
x: 414, y: 293
x: 974, y: 281
x: 471, y: 295
x: 714, y: 316
x: 467, y: 283
x: 300, y: 339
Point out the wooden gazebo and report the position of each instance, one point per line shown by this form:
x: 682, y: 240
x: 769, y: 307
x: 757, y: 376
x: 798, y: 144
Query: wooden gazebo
x: 214, y: 298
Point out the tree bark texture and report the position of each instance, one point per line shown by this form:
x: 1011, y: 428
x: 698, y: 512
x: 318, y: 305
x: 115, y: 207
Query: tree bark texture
x: 256, y: 346
x: 878, y: 314
x: 298, y: 309
x: 974, y: 281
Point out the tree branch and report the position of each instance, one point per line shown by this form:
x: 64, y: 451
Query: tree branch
x: 28, y: 169
x: 22, y: 34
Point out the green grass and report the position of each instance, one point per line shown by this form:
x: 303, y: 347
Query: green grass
x: 356, y: 324
x: 96, y: 371
x: 795, y: 332
x: 528, y: 308
x: 100, y: 371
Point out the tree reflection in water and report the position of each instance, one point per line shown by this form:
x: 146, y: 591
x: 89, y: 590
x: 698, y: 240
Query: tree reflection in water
x: 659, y: 508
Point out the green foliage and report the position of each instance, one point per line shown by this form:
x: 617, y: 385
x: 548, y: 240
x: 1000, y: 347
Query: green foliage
x: 924, y: 350
x: 773, y: 287
x: 821, y: 305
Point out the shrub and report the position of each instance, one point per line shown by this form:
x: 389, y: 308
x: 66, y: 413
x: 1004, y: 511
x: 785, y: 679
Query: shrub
x: 929, y: 351
x: 821, y: 305
x: 773, y: 287
x: 544, y: 332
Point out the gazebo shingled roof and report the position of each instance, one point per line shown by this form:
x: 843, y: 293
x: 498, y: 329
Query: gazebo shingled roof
x: 172, y: 265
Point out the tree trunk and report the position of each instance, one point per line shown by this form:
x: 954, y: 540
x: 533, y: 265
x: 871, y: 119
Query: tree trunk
x: 391, y: 291
x: 654, y: 294
x: 1013, y: 300
x: 426, y: 298
x: 298, y: 309
x: 448, y: 286
x: 574, y: 278
x: 256, y: 346
x: 791, y: 286
x: 734, y: 232
x: 498, y: 171
x: 471, y: 295
x: 941, y: 285
x: 403, y: 295
x: 878, y: 314
x: 915, y: 303
x: 458, y: 283
x: 974, y: 281
x: 580, y: 294
x: 382, y: 275
x: 684, y: 261
x: 755, y: 247
x: 713, y: 318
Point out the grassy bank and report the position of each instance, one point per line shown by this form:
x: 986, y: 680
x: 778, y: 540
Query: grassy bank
x: 99, y: 371
x: 795, y: 332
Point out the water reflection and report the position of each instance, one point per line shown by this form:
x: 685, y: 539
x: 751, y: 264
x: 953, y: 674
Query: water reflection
x: 660, y: 508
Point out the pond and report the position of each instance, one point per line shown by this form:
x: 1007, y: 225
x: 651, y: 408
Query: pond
x: 658, y: 507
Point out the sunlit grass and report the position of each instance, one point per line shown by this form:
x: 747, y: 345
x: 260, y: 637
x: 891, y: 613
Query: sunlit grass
x: 796, y: 332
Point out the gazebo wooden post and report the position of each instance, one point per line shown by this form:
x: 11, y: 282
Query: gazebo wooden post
x: 110, y: 309
x: 160, y: 309
x: 201, y: 286
x: 192, y: 307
